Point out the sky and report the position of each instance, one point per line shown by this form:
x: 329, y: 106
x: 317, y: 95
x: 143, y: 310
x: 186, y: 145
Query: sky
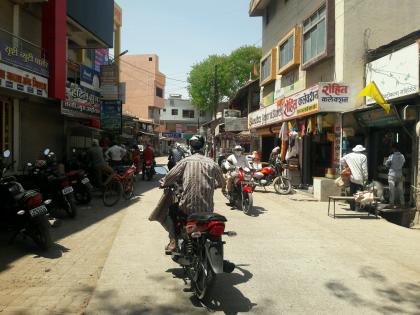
x: 185, y: 32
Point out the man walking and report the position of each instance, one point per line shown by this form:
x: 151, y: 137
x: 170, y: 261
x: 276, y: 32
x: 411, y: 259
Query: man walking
x: 395, y: 163
x: 357, y: 162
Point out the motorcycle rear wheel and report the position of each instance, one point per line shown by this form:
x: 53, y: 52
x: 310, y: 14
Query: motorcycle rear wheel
x: 202, y: 279
x: 39, y: 231
x: 247, y: 203
x: 69, y: 206
x: 282, y: 185
x: 112, y: 193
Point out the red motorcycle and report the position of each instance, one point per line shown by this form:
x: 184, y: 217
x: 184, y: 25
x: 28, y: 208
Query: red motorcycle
x: 273, y: 174
x: 148, y: 169
x: 241, y: 194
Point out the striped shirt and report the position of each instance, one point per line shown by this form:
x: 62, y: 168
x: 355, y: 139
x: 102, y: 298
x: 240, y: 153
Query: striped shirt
x: 200, y: 176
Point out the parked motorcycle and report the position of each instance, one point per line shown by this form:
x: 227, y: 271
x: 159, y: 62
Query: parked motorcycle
x: 200, y: 247
x: 52, y: 185
x: 241, y: 194
x: 81, y: 185
x: 23, y: 210
x: 273, y: 174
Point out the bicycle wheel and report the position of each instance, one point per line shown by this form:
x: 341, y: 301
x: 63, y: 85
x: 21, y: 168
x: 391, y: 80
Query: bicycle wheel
x: 282, y: 185
x: 112, y: 193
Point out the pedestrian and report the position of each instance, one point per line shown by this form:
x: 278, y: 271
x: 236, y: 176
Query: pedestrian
x: 98, y: 164
x: 395, y: 162
x: 357, y: 163
x: 115, y: 154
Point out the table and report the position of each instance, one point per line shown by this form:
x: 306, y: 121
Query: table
x: 349, y: 198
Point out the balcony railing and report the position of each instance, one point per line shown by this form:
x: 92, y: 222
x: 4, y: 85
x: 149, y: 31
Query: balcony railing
x: 22, y: 53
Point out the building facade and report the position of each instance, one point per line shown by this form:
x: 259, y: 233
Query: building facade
x: 313, y: 66
x: 145, y: 86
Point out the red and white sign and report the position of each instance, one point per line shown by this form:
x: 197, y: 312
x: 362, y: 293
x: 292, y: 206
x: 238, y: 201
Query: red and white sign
x: 334, y: 97
x: 22, y: 81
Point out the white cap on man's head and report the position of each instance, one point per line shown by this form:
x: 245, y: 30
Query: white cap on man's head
x: 238, y: 148
x: 359, y: 148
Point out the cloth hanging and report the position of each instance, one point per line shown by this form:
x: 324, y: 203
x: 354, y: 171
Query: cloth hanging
x: 319, y: 123
x: 309, y: 129
x: 284, y: 132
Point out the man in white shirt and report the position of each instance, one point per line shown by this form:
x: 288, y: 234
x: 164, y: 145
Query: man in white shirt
x: 235, y: 160
x: 357, y: 162
x: 116, y: 154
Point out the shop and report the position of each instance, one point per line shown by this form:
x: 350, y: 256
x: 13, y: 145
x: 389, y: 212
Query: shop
x: 307, y: 127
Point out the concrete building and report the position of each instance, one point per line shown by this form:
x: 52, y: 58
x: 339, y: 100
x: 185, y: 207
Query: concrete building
x: 145, y: 86
x: 315, y: 56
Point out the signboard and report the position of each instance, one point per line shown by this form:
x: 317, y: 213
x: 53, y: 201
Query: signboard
x: 231, y: 113
x: 89, y: 76
x: 109, y: 82
x: 172, y: 135
x: 178, y: 128
x: 334, y: 97
x: 236, y: 124
x: 265, y: 116
x: 111, y: 116
x: 396, y: 74
x: 378, y: 118
x: 21, y: 81
x: 23, y: 59
x: 80, y: 102
x: 101, y: 58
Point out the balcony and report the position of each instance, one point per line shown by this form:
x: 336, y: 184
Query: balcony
x: 256, y: 7
x: 21, y: 53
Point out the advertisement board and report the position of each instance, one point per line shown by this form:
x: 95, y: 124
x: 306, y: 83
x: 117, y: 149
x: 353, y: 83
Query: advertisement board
x: 335, y: 97
x: 111, y: 116
x: 23, y: 59
x: 109, y: 82
x: 89, y: 76
x: 397, y: 74
x: 22, y: 81
x: 101, y: 58
x: 80, y: 102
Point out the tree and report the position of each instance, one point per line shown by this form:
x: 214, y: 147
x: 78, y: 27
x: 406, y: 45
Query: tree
x: 233, y: 71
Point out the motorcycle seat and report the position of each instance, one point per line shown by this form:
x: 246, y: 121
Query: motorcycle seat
x: 206, y: 217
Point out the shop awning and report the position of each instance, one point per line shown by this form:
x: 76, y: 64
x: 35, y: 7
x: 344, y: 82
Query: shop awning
x: 148, y: 133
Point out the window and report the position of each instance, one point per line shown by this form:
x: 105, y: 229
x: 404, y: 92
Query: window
x: 186, y: 113
x: 286, y: 51
x: 150, y: 59
x: 202, y: 113
x: 164, y: 110
x: 171, y: 102
x: 314, y: 35
x: 174, y: 112
x: 266, y: 68
x: 159, y: 92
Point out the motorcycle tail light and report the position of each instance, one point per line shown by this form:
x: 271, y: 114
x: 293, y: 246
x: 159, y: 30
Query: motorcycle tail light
x: 33, y: 201
x: 216, y: 228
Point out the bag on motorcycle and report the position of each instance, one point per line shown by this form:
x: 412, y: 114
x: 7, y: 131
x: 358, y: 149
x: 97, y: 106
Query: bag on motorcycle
x: 161, y: 211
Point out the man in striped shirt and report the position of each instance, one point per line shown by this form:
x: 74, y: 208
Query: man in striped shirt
x: 199, y: 176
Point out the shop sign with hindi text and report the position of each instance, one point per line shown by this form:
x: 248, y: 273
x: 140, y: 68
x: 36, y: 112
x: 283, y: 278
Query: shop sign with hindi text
x: 334, y: 97
x: 22, y: 81
x: 81, y: 102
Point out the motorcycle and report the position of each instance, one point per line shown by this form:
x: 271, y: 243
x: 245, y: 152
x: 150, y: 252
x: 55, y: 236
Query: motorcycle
x: 126, y: 176
x: 148, y: 169
x: 273, y: 174
x: 54, y: 186
x: 24, y: 210
x: 241, y: 194
x: 200, y: 247
x: 79, y: 180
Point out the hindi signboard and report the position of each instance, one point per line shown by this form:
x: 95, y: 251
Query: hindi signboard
x: 80, y: 102
x: 109, y: 82
x: 111, y: 116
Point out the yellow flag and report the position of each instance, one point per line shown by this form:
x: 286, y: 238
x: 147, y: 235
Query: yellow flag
x: 372, y: 91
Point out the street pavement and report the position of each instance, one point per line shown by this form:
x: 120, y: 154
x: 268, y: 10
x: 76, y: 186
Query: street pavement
x: 292, y: 259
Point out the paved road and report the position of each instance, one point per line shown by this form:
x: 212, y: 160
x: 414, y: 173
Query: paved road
x: 291, y: 257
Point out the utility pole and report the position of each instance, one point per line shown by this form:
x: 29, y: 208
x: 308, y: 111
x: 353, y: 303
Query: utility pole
x: 216, y: 92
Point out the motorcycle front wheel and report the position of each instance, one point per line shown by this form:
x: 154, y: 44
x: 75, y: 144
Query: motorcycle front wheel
x: 128, y: 188
x: 247, y: 202
x: 282, y: 185
x: 39, y: 231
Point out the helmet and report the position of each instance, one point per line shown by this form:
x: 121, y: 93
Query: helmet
x: 197, y: 142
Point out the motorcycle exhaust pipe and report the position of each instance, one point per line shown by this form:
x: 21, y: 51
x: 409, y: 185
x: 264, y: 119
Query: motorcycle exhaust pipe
x: 230, y: 233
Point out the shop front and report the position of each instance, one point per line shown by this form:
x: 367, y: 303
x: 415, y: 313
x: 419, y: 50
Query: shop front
x: 307, y: 128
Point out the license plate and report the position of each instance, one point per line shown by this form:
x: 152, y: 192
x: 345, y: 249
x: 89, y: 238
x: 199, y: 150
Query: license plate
x: 41, y: 210
x: 85, y: 180
x: 67, y: 190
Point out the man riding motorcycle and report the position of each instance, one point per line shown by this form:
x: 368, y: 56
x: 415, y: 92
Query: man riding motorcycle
x: 148, y: 155
x: 235, y: 160
x: 198, y: 176
x: 175, y: 155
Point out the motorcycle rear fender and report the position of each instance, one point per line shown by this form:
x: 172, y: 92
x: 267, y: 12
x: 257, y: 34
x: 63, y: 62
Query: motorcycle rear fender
x: 247, y: 189
x: 214, y: 251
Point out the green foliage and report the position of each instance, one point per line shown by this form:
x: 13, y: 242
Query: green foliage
x: 233, y: 71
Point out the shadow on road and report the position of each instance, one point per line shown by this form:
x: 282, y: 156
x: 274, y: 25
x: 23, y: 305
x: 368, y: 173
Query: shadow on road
x: 87, y: 216
x: 403, y: 298
x: 224, y: 296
